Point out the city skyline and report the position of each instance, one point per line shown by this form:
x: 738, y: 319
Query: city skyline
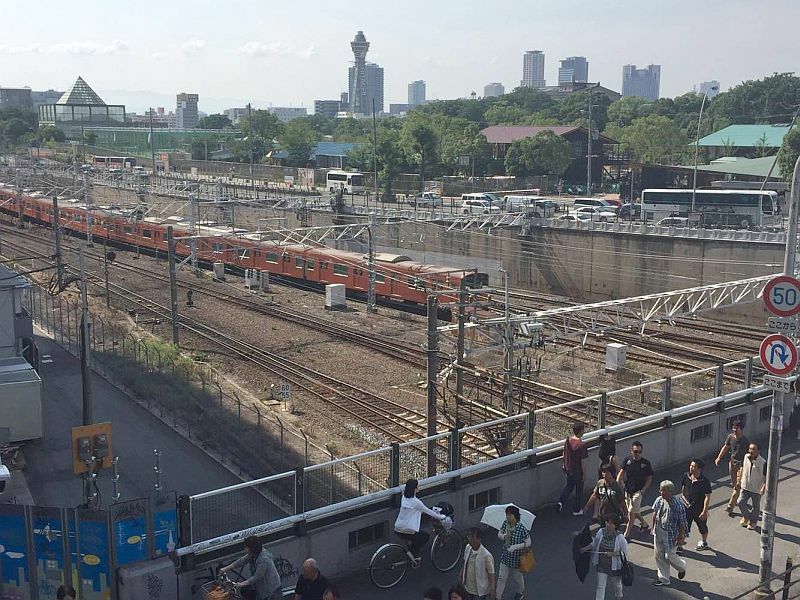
x: 142, y: 64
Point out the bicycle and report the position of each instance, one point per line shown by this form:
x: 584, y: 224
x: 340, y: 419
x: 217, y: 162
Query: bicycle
x: 221, y: 588
x: 389, y: 564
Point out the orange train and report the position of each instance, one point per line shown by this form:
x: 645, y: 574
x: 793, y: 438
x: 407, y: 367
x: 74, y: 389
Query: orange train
x: 398, y: 279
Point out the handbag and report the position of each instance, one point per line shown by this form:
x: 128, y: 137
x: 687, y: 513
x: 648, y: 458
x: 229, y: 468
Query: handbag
x: 626, y: 572
x: 527, y: 562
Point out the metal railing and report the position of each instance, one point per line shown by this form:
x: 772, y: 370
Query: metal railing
x: 790, y: 585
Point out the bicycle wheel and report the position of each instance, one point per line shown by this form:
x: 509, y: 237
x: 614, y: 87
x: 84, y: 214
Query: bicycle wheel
x: 388, y: 565
x: 446, y: 549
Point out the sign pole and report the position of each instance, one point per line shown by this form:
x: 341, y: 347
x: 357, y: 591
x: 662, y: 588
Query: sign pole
x: 776, y: 421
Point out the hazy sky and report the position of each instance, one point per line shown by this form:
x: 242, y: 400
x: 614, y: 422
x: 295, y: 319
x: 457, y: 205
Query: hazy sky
x: 289, y: 53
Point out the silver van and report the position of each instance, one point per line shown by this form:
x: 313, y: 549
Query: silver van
x: 536, y: 205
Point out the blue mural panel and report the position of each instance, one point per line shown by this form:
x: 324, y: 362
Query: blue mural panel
x: 165, y: 523
x: 129, y: 531
x: 49, y: 540
x: 94, y: 556
x: 15, y: 575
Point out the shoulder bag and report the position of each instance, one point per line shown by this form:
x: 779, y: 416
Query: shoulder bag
x: 626, y: 572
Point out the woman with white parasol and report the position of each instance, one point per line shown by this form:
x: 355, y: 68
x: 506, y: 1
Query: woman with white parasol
x: 510, y: 523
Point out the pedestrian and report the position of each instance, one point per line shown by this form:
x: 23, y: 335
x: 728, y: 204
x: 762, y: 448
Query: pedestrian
x: 736, y: 443
x: 433, y: 593
x: 637, y: 474
x: 669, y: 531
x: 458, y: 592
x: 574, y: 467
x: 753, y: 482
x: 409, y: 519
x: 608, y: 497
x: 607, y: 549
x: 264, y: 582
x: 607, y: 453
x: 331, y: 593
x: 311, y: 584
x: 515, y: 540
x: 66, y: 592
x: 477, y: 574
x: 696, y: 492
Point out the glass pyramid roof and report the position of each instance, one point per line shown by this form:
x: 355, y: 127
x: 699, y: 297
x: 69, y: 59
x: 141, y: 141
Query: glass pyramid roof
x: 81, y: 93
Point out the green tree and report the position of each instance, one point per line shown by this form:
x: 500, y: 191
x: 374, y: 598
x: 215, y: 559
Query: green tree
x: 421, y: 143
x: 544, y: 154
x: 265, y: 126
x: 349, y: 130
x: 389, y: 155
x: 14, y: 129
x: 573, y: 109
x: 625, y: 111
x: 298, y: 140
x: 768, y: 100
x: 653, y: 139
x: 47, y: 133
x: 761, y: 146
x: 789, y: 152
x: 530, y: 100
x: 90, y: 137
x: 214, y: 122
x: 503, y: 113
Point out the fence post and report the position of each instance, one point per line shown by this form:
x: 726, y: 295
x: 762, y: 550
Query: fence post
x: 748, y: 373
x: 601, y: 410
x: 258, y: 414
x: 305, y: 437
x: 280, y: 425
x: 299, y: 491
x: 719, y: 380
x: 787, y: 579
x: 530, y: 430
x: 455, y: 450
x: 394, y: 467
x: 185, y: 520
x: 666, y: 400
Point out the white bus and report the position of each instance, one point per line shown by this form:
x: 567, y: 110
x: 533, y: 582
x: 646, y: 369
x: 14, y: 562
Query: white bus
x: 349, y: 181
x: 738, y: 209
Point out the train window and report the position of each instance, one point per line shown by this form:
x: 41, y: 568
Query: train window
x: 298, y: 262
x: 310, y: 264
x: 272, y: 257
x: 242, y: 254
x: 416, y: 283
x: 218, y: 247
x: 340, y: 269
x: 379, y: 277
x: 256, y: 254
x: 127, y: 229
x: 147, y: 233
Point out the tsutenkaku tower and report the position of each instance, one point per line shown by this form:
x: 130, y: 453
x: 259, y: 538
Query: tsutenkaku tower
x: 358, y: 102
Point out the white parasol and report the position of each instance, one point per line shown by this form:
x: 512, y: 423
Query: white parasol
x: 494, y: 516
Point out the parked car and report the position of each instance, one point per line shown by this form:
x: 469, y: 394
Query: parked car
x: 674, y: 222
x: 535, y: 205
x: 615, y: 203
x: 591, y: 213
x: 427, y: 200
x: 594, y: 202
x: 630, y: 211
x: 479, y: 207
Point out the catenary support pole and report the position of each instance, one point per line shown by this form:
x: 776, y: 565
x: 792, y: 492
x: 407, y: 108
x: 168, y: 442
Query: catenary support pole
x: 105, y: 274
x: 18, y: 186
x: 85, y: 350
x: 371, y: 307
x: 589, y: 149
x: 87, y: 200
x: 374, y: 153
x: 508, y: 354
x: 57, y: 231
x: 776, y: 420
x: 433, y: 370
x: 173, y: 284
x: 462, y: 300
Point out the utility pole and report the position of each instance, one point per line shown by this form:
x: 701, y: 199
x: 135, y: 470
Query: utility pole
x: 193, y: 234
x: 250, y: 143
x: 371, y: 307
x: 433, y: 370
x: 19, y: 198
x: 86, y: 381
x: 508, y: 351
x: 462, y: 300
x: 89, y: 214
x: 152, y: 143
x: 105, y: 274
x: 173, y: 283
x: 57, y: 230
x: 776, y: 421
x: 375, y: 152
x: 589, y: 149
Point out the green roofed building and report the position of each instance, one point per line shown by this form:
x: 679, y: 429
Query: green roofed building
x: 136, y: 140
x: 80, y: 106
x: 744, y: 139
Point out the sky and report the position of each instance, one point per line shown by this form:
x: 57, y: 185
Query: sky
x: 283, y: 53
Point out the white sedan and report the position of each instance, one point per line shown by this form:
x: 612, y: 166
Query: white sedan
x: 591, y: 213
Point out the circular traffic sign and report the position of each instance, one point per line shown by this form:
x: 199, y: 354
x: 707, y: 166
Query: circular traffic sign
x: 782, y: 296
x: 778, y: 354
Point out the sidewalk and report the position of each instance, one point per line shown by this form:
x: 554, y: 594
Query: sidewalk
x: 136, y: 432
x: 727, y: 568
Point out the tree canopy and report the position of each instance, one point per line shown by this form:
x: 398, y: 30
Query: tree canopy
x: 544, y: 154
x: 298, y: 139
x: 214, y: 122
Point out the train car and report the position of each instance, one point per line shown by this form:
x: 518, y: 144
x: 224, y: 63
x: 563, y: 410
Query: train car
x: 398, y: 279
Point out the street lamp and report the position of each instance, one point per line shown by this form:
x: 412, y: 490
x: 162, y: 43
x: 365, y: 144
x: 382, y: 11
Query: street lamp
x: 713, y: 88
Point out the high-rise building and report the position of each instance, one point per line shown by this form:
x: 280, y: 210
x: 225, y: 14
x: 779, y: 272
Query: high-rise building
x: 644, y: 83
x: 287, y: 113
x: 235, y: 114
x: 416, y: 93
x: 358, y: 75
x: 327, y: 108
x: 573, y: 69
x: 373, y: 89
x: 15, y: 98
x: 48, y: 97
x: 344, y: 100
x: 186, y: 111
x: 493, y: 89
x: 533, y: 69
x: 710, y: 88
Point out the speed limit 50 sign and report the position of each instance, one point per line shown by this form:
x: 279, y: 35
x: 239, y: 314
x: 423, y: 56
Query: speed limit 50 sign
x: 782, y: 296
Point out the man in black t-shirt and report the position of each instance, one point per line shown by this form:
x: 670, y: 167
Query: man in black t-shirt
x: 696, y: 491
x: 736, y: 443
x: 311, y: 585
x: 637, y: 472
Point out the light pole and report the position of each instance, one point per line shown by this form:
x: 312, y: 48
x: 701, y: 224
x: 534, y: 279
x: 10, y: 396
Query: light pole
x: 589, y: 142
x: 697, y: 142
